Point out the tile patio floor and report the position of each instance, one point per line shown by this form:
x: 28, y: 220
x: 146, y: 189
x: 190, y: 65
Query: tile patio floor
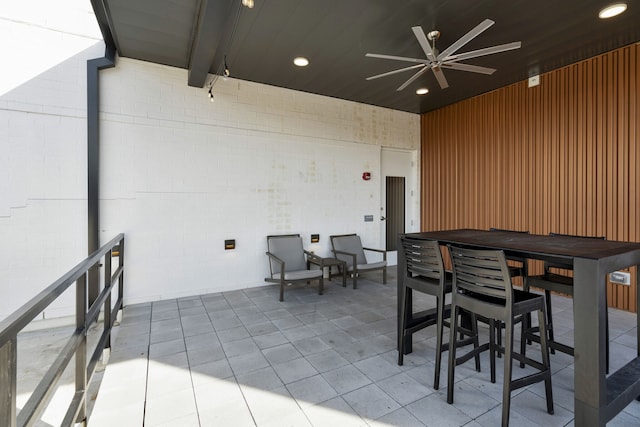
x: 242, y: 358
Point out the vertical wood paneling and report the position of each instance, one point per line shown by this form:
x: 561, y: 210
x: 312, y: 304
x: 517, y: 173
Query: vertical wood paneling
x: 561, y: 157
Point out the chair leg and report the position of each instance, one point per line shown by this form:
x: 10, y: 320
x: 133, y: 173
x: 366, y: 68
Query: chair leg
x: 451, y: 371
x: 476, y: 341
x: 524, y: 324
x: 508, y: 365
x: 403, y: 325
x: 492, y: 348
x: 320, y: 285
x: 499, y: 338
x: 544, y: 348
x: 547, y: 298
x: 355, y: 279
x: 281, y: 291
x: 439, y: 332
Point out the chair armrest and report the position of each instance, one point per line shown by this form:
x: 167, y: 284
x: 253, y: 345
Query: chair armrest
x: 382, y: 251
x: 279, y: 261
x: 275, y: 258
x: 313, y: 258
x: 311, y: 254
x: 353, y: 256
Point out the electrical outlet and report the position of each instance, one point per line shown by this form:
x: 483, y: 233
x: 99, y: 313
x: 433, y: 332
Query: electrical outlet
x: 534, y: 81
x: 620, y: 277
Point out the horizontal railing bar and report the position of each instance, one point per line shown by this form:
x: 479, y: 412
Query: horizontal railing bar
x: 96, y: 307
x: 74, y: 409
x: 43, y: 391
x: 103, y: 339
x: 15, y: 322
x: 115, y: 276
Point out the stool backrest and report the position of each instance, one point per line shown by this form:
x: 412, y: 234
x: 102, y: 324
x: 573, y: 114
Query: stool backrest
x: 423, y: 258
x: 482, y: 273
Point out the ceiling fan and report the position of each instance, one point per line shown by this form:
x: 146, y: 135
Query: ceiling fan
x: 436, y: 61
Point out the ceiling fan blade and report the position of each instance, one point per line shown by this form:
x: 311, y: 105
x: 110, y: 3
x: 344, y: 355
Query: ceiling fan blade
x: 468, y: 67
x: 442, y: 81
x: 424, y: 43
x: 466, y: 38
x: 396, y: 58
x: 482, y: 52
x: 394, y: 72
x: 412, y: 78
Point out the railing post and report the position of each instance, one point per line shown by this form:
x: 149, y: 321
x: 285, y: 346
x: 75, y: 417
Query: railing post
x: 121, y: 261
x: 81, y: 351
x: 107, y: 301
x: 8, y: 379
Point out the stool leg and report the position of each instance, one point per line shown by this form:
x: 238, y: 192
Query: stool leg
x: 476, y: 340
x: 403, y: 325
x: 545, y: 360
x: 451, y: 371
x: 439, y: 332
x: 508, y: 364
x: 524, y: 324
x: 492, y: 349
x: 547, y: 298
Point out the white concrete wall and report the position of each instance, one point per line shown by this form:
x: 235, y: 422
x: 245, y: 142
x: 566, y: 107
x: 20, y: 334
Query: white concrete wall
x: 179, y: 174
x: 43, y: 190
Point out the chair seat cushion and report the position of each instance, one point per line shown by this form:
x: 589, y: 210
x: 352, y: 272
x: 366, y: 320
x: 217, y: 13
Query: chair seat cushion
x: 370, y: 266
x: 300, y: 275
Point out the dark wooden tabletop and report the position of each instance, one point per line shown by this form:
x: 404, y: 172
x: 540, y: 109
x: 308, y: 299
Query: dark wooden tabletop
x: 531, y: 245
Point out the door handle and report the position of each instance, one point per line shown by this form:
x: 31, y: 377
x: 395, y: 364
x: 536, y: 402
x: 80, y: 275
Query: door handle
x: 382, y: 218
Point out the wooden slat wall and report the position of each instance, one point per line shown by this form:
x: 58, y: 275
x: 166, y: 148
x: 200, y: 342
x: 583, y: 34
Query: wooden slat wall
x: 561, y: 157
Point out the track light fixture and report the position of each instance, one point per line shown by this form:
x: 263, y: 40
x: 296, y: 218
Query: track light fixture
x: 226, y: 72
x: 248, y: 3
x: 211, y: 91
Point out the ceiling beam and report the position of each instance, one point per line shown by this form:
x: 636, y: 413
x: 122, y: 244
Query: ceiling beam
x: 208, y: 38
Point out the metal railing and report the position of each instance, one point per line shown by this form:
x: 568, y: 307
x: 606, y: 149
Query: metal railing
x: 85, y: 315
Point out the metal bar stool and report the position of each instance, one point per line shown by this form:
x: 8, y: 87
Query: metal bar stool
x: 425, y: 273
x: 482, y: 285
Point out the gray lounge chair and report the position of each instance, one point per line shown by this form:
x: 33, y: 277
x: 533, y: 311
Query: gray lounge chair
x: 288, y: 264
x: 348, y: 248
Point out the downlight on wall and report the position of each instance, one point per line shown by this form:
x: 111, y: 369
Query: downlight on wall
x: 612, y: 10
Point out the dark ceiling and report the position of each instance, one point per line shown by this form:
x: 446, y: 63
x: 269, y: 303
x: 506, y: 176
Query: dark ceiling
x: 260, y: 43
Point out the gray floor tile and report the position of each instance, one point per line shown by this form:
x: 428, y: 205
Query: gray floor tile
x: 378, y: 368
x: 332, y: 413
x: 166, y: 348
x: 346, y: 379
x: 371, y: 402
x: 311, y: 345
x: 327, y: 360
x: 310, y: 391
x: 294, y: 370
x: 270, y: 340
x: 264, y: 379
x: 281, y: 353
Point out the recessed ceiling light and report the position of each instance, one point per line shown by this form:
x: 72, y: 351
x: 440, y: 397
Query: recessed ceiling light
x: 612, y: 10
x: 422, y: 91
x: 301, y: 61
